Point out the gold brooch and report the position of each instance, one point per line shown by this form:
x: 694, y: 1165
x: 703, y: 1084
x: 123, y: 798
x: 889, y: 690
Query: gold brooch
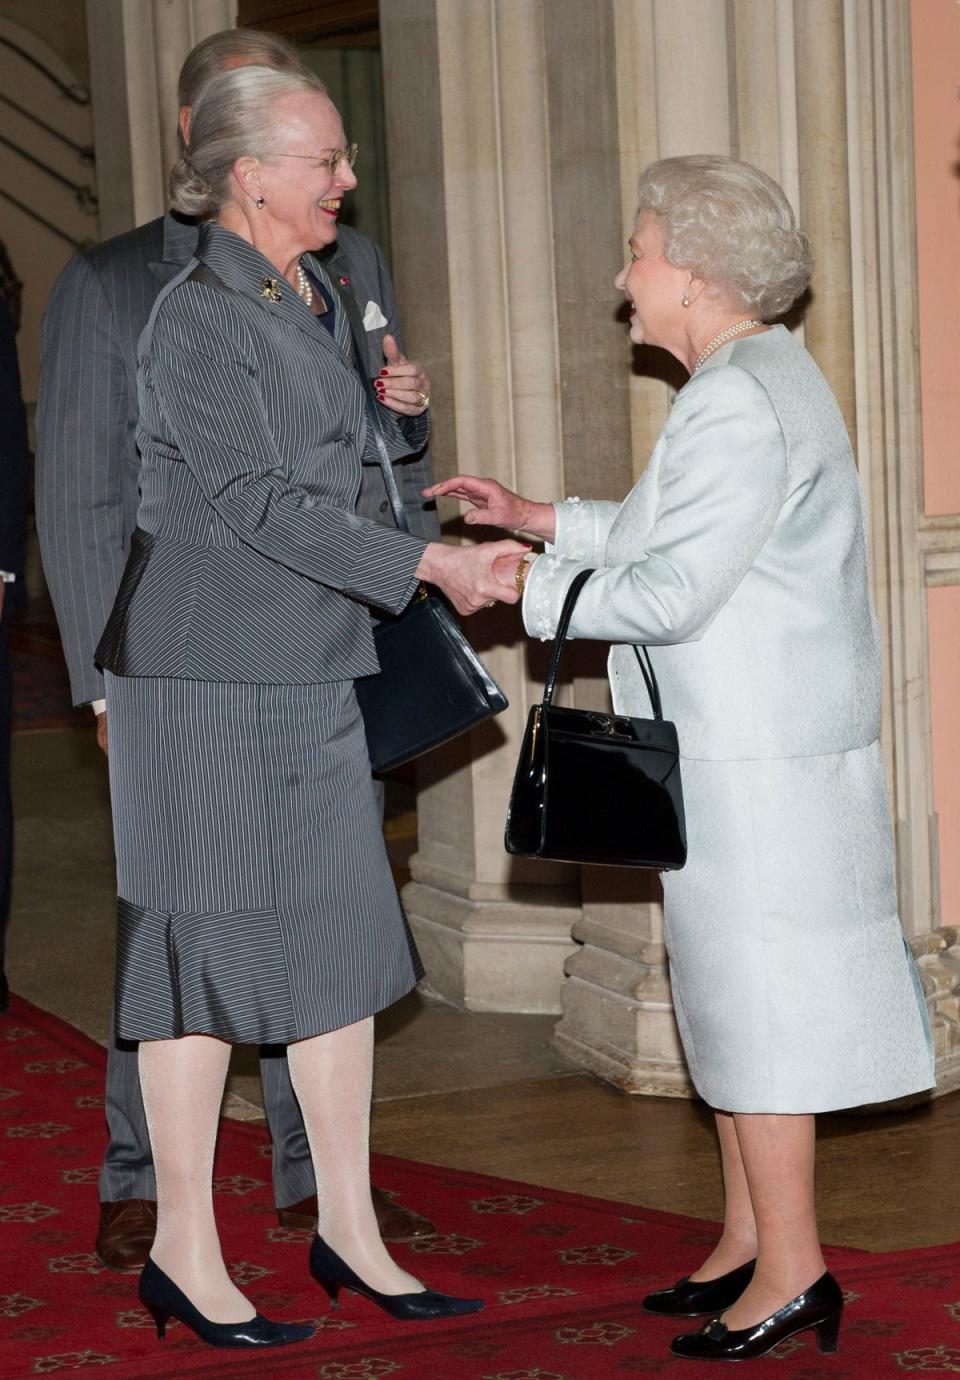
x: 270, y: 289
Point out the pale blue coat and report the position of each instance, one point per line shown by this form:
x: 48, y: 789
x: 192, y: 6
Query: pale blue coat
x: 740, y: 558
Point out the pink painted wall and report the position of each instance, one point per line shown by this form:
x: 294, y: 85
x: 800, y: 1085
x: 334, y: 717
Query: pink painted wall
x: 935, y: 26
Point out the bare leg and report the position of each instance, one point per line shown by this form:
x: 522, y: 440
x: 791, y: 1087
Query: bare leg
x: 778, y: 1155
x: 182, y: 1083
x: 738, y: 1244
x: 332, y: 1076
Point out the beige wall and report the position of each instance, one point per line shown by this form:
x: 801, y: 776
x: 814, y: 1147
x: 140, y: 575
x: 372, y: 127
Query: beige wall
x: 61, y: 24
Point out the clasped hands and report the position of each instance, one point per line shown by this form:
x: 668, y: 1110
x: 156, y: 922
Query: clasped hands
x: 473, y: 577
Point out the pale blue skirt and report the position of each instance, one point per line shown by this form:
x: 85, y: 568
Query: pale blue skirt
x: 793, y: 986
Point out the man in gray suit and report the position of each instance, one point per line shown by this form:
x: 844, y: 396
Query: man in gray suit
x: 87, y: 496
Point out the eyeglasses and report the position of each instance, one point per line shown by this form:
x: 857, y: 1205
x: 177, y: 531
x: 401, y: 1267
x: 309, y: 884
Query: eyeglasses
x: 332, y: 161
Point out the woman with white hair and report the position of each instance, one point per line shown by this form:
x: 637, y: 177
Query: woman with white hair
x: 740, y: 559
x: 256, y: 899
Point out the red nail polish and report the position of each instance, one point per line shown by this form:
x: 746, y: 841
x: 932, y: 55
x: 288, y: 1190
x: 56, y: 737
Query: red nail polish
x: 384, y: 373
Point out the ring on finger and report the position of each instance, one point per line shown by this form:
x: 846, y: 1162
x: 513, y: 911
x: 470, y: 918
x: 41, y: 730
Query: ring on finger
x: 424, y: 398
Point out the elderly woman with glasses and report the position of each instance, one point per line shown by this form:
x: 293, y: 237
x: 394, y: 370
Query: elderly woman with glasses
x: 256, y: 900
x: 740, y: 560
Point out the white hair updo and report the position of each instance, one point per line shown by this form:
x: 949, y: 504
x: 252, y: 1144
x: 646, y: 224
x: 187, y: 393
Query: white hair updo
x: 234, y: 117
x: 731, y: 225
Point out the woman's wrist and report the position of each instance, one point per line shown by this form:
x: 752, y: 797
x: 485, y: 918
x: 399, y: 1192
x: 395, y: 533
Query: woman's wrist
x: 540, y: 520
x: 430, y: 562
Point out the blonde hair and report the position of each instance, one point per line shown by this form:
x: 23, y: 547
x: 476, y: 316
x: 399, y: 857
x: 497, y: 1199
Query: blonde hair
x: 731, y: 225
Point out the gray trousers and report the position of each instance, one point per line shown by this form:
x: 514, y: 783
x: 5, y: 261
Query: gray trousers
x: 127, y: 1170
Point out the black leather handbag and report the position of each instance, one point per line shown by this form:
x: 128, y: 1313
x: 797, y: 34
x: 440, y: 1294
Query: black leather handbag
x: 597, y: 788
x: 432, y: 686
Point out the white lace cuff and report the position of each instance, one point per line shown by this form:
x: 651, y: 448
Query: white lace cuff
x: 548, y: 580
x: 582, y: 529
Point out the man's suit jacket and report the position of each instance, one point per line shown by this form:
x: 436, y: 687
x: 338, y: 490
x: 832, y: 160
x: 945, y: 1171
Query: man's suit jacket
x: 14, y: 464
x: 87, y: 485
x: 248, y: 562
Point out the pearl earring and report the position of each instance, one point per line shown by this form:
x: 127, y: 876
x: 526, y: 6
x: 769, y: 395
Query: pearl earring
x: 684, y: 300
x: 260, y: 203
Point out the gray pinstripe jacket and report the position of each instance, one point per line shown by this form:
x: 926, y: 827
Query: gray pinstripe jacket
x: 249, y: 562
x: 87, y: 464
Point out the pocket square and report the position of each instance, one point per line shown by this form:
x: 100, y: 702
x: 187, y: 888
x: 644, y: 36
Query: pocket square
x: 373, y: 317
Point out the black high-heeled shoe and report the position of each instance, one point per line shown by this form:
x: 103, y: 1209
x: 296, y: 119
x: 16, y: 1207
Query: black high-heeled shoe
x: 332, y: 1274
x: 163, y: 1300
x: 818, y: 1307
x: 692, y: 1298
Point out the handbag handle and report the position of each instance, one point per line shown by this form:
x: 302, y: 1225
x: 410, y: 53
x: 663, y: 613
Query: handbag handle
x: 563, y: 627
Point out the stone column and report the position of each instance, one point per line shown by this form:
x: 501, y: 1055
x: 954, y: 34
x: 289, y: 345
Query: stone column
x: 476, y: 285
x: 136, y: 50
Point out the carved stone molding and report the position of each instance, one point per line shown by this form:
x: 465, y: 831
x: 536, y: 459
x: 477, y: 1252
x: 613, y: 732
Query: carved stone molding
x: 938, y: 959
x: 940, y: 543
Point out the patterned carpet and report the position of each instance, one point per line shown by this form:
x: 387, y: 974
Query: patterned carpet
x: 561, y: 1273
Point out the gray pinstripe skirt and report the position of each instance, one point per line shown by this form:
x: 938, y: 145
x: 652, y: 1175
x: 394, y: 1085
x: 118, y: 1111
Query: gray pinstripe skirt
x: 256, y: 901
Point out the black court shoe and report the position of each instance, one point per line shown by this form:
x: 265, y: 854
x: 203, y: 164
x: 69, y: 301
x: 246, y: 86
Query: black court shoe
x: 332, y: 1273
x: 690, y: 1298
x: 163, y: 1300
x: 818, y: 1307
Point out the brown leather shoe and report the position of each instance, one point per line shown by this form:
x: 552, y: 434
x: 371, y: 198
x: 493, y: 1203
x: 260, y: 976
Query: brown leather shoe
x: 127, y: 1229
x: 397, y: 1224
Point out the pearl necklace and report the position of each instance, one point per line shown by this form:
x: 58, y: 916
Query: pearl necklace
x: 722, y: 338
x: 303, y: 286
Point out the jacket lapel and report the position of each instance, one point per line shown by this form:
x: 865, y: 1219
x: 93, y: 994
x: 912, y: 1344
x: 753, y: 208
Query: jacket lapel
x: 245, y: 270
x: 346, y: 318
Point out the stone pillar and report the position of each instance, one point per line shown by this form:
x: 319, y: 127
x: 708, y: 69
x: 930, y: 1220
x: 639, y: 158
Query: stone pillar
x: 136, y: 50
x: 481, y: 305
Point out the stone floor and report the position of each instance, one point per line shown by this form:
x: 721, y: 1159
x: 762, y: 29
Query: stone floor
x: 480, y: 1092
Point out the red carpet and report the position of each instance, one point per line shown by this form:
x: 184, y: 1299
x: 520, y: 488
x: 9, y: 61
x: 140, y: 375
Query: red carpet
x: 561, y: 1273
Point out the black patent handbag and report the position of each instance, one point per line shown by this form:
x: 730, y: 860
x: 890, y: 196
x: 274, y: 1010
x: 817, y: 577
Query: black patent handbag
x: 597, y: 788
x: 432, y: 686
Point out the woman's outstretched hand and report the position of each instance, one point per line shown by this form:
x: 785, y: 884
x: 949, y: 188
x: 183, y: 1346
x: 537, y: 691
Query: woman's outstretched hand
x: 473, y: 577
x: 492, y: 505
